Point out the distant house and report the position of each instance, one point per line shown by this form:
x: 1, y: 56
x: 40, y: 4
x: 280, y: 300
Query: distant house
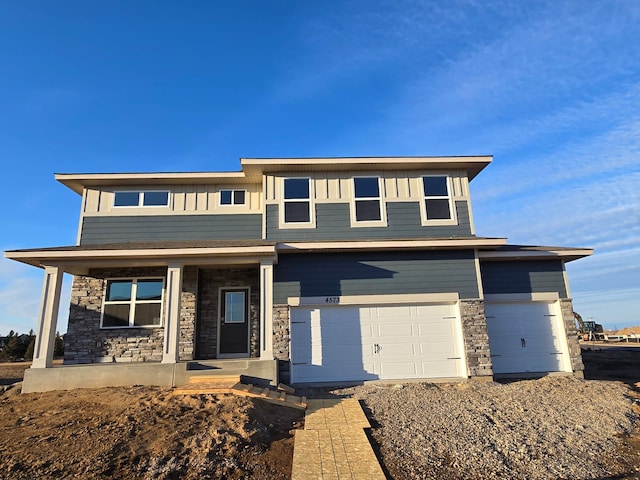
x: 309, y: 270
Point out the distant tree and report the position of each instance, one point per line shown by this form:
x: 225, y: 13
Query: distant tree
x: 28, y: 354
x: 12, y: 349
x: 58, y: 346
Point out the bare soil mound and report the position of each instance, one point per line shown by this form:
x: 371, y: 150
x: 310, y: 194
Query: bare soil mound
x: 143, y: 433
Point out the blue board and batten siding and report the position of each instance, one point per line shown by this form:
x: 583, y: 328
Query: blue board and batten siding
x: 523, y: 277
x: 112, y: 229
x: 333, y: 222
x: 371, y: 273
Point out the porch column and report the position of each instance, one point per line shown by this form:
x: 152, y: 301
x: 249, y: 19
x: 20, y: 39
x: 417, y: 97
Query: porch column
x: 266, y: 309
x: 170, y: 352
x: 48, y: 318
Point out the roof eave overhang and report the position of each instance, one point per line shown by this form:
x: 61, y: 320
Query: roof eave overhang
x: 566, y: 255
x: 422, y: 244
x: 78, y: 262
x: 78, y: 181
x: 471, y: 164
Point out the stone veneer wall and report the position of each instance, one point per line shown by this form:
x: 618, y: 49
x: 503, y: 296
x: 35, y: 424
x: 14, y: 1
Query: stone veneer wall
x: 210, y: 280
x: 86, y: 342
x: 476, y: 338
x: 281, y: 333
x: 575, y: 354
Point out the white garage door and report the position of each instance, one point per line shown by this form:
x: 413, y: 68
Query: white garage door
x: 526, y: 337
x: 344, y: 343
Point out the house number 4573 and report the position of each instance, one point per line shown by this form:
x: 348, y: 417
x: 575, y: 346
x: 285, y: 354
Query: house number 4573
x: 332, y: 300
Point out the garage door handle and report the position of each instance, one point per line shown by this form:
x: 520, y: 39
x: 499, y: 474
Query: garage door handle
x: 377, y: 348
x: 523, y: 343
x: 555, y: 353
x: 453, y: 358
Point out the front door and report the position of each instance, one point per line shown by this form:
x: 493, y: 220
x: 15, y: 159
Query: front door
x: 233, y: 340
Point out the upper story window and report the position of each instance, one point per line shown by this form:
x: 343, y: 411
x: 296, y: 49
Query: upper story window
x: 133, y: 302
x: 147, y: 198
x: 297, y: 200
x: 367, y: 202
x: 232, y: 197
x: 437, y: 198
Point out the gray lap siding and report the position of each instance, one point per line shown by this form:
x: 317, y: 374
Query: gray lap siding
x: 115, y: 229
x: 335, y: 274
x: 505, y: 277
x: 333, y: 222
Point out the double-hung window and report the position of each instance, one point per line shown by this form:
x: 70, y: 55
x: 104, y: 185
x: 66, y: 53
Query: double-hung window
x: 437, y: 199
x: 368, y: 207
x: 133, y: 302
x: 297, y: 201
x: 147, y: 198
x: 232, y: 197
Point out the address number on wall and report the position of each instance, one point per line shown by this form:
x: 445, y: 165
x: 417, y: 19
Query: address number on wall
x: 332, y: 300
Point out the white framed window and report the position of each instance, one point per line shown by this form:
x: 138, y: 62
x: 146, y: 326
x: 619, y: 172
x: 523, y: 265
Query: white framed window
x: 233, y: 197
x: 132, y: 302
x: 141, y: 198
x: 367, y: 207
x: 437, y: 205
x: 297, y: 209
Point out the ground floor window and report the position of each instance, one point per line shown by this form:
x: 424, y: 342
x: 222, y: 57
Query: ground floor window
x: 132, y: 302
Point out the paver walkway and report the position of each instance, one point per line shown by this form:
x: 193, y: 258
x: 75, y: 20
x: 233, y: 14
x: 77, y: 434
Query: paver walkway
x: 333, y: 444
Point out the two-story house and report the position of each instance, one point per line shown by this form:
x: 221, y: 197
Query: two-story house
x: 311, y: 269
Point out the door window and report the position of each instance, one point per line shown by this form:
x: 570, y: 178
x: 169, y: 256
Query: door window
x: 234, y: 306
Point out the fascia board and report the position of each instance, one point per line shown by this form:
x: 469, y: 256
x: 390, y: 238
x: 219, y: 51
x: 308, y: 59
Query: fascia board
x: 393, y: 244
x: 572, y: 254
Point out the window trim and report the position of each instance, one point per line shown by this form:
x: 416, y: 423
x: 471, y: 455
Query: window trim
x: 453, y: 220
x: 283, y: 201
x: 232, y: 204
x: 133, y: 302
x: 383, y: 207
x: 141, y: 195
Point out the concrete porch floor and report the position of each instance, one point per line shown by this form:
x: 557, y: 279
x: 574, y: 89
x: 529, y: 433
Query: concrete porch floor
x: 98, y: 375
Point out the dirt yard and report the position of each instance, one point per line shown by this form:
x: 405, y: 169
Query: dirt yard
x: 550, y: 428
x: 142, y: 433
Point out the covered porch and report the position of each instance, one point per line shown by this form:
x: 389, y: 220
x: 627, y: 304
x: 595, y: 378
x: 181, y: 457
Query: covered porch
x: 214, y: 294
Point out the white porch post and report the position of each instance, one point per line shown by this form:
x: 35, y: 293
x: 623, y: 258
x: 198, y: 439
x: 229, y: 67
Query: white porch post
x: 266, y: 310
x: 170, y: 352
x: 48, y: 318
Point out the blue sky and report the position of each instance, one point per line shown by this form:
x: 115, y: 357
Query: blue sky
x: 551, y: 89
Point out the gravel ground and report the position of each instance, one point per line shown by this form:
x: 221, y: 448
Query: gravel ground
x: 551, y: 428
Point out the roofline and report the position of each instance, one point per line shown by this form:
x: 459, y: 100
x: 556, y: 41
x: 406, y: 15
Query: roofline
x: 451, y: 243
x: 566, y: 254
x: 472, y: 164
x: 76, y: 261
x: 254, y: 168
x: 77, y: 181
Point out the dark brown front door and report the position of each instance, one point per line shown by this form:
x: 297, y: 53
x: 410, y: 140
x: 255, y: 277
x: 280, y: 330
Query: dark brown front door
x: 234, y: 322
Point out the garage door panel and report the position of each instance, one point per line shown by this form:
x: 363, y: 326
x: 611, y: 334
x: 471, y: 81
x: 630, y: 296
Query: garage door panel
x: 441, y: 349
x: 396, y: 350
x: 395, y: 330
x: 399, y: 370
x: 440, y: 369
